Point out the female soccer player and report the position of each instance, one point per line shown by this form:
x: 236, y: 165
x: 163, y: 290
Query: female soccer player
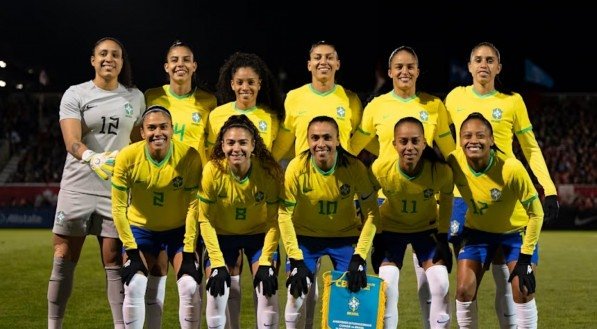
x: 504, y: 213
x: 508, y: 116
x: 318, y: 215
x: 238, y: 211
x: 153, y: 198
x: 379, y: 118
x: 410, y: 181
x: 190, y: 106
x: 97, y: 119
x: 245, y: 86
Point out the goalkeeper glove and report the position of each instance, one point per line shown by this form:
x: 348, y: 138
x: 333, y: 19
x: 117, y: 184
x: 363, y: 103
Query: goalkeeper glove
x: 551, y: 208
x: 266, y: 275
x: 524, y: 271
x: 357, y: 275
x: 133, y: 265
x: 190, y: 267
x: 101, y: 163
x: 300, y: 278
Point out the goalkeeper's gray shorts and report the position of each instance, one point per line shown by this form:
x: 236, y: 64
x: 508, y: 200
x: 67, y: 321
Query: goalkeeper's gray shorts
x: 79, y: 214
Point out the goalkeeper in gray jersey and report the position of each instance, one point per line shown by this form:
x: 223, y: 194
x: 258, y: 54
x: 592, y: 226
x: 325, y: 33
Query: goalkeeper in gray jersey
x: 96, y: 119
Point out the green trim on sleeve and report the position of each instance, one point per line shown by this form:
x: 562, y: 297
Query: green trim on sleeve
x: 204, y: 200
x: 121, y: 188
x: 529, y: 200
x: 525, y: 130
x: 191, y: 188
x: 362, y: 131
x: 288, y: 203
x: 445, y: 134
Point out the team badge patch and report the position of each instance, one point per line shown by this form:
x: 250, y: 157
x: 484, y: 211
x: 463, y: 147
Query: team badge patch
x: 259, y: 196
x: 344, y: 309
x: 424, y: 115
x: 262, y: 125
x: 428, y: 193
x: 345, y: 190
x: 341, y: 112
x: 454, y: 227
x: 177, y: 182
x: 496, y: 194
x: 196, y: 117
x: 496, y: 114
x: 128, y: 110
x: 59, y: 218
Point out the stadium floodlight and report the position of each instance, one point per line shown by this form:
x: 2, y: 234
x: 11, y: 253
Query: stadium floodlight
x: 19, y: 86
x: 2, y: 64
x: 2, y: 83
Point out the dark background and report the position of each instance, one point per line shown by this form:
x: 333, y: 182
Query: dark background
x: 57, y: 36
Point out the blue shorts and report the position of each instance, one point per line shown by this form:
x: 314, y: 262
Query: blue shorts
x: 423, y: 244
x: 153, y: 242
x: 481, y: 246
x: 457, y: 221
x: 339, y: 250
x: 231, y: 245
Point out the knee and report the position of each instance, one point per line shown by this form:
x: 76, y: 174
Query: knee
x: 136, y: 288
x: 464, y: 293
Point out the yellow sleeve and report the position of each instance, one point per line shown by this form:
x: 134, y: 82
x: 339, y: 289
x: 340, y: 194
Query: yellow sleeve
x: 524, y: 133
x: 357, y: 109
x: 370, y: 211
x: 535, y: 212
x: 120, y: 197
x: 272, y: 236
x: 287, y: 203
x: 191, y: 227
x: 443, y: 135
x: 372, y: 222
x: 365, y: 132
x: 283, y: 143
x: 208, y: 196
x: 119, y: 207
x: 446, y: 197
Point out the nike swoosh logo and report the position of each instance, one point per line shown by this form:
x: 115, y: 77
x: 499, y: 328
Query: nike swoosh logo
x: 584, y: 221
x: 509, y: 315
x: 443, y: 321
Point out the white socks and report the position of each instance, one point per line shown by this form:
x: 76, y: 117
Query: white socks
x: 466, y: 314
x: 115, y: 292
x: 215, y: 311
x: 134, y: 302
x: 439, y: 284
x: 423, y: 291
x: 292, y: 313
x: 527, y: 315
x: 391, y: 275
x: 267, y: 311
x: 189, y: 306
x: 504, y: 302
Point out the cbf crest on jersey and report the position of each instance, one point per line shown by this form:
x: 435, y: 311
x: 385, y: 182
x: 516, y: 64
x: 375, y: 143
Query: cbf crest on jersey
x: 345, y: 190
x: 259, y: 196
x: 177, y: 182
x: 341, y: 112
x: 496, y: 114
x: 345, y: 309
x: 424, y: 116
x: 262, y: 125
x: 428, y: 193
x: 128, y: 110
x: 196, y: 117
x: 496, y: 194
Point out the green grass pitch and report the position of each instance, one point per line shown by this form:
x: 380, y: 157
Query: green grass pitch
x: 566, y: 285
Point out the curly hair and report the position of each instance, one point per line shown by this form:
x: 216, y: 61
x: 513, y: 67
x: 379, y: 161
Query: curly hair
x: 270, y: 94
x: 126, y: 74
x: 261, y: 153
